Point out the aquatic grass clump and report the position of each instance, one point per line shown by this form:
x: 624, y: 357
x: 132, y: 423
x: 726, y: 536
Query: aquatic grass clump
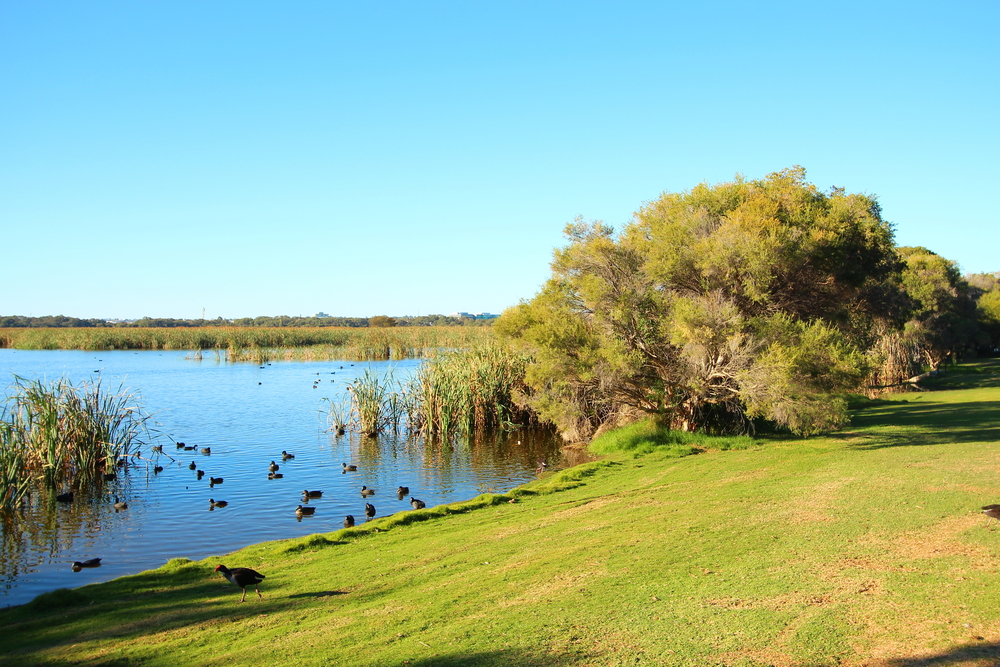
x: 456, y: 392
x: 647, y: 437
x: 57, y: 436
x: 469, y: 390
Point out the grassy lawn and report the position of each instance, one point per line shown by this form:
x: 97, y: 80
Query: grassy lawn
x: 863, y: 548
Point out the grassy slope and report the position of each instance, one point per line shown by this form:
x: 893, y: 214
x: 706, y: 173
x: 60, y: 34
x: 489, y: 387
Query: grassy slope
x: 865, y: 548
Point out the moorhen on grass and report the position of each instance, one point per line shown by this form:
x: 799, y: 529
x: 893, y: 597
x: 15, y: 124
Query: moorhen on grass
x: 993, y: 512
x: 369, y: 511
x: 242, y: 577
x: 417, y: 504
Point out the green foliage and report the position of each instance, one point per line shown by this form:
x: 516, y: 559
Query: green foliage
x: 943, y: 320
x: 382, y: 321
x: 714, y: 306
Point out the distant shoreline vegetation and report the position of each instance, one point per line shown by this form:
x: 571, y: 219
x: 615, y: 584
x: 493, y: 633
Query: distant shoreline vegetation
x: 62, y: 321
x: 258, y: 344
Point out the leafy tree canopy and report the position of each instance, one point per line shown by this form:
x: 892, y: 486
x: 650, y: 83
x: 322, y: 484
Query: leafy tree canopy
x: 714, y: 306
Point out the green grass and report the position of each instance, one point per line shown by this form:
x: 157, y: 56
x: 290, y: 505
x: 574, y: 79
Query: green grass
x: 862, y: 548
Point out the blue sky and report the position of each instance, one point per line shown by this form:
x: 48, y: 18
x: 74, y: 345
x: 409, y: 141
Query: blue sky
x: 404, y: 158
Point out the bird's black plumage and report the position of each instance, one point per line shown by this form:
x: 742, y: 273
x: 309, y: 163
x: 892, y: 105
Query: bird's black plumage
x: 242, y: 577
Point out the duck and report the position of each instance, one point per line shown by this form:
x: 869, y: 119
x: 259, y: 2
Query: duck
x: 193, y: 466
x: 242, y: 577
x: 403, y: 491
x: 92, y: 562
x: 417, y: 504
x: 189, y: 448
x: 215, y: 480
x: 274, y: 467
x: 303, y: 510
x: 180, y: 445
x: 206, y: 450
x: 349, y: 521
x: 350, y: 468
x: 120, y: 505
x: 158, y: 448
x: 275, y: 475
x: 285, y: 455
x: 65, y: 497
x: 369, y: 511
x: 217, y: 503
x: 200, y: 473
x: 365, y: 492
x: 312, y: 494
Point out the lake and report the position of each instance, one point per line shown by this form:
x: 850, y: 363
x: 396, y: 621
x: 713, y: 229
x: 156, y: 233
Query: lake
x: 247, y: 415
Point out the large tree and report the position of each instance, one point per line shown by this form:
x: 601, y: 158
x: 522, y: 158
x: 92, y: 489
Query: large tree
x: 712, y: 307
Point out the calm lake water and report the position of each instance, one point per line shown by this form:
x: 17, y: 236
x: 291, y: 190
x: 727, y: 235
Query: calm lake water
x: 247, y: 415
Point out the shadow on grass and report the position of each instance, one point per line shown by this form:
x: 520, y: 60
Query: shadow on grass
x: 934, y: 424
x: 128, y: 607
x: 317, y: 594
x: 983, y: 653
x: 511, y: 658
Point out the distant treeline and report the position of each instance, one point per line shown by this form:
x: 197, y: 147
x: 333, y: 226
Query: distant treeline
x: 52, y: 321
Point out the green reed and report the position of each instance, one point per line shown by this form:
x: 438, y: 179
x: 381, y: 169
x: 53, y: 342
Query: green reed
x: 57, y: 436
x: 461, y: 391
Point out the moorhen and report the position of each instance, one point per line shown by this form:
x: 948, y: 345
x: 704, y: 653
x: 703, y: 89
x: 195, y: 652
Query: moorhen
x: 417, y: 504
x: 369, y: 511
x: 93, y: 562
x: 242, y: 577
x: 65, y: 497
x: 349, y: 521
x: 993, y: 512
x: 215, y: 480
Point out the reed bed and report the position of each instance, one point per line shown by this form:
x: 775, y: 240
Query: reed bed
x: 259, y: 344
x: 58, y: 437
x: 456, y: 392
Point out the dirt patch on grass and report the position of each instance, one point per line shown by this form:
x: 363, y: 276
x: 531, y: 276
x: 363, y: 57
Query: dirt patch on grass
x: 944, y: 539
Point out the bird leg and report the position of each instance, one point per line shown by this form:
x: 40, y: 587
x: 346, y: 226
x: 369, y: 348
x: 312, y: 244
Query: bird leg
x: 258, y: 593
x: 244, y: 595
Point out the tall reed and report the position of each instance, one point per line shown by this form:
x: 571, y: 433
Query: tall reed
x: 56, y: 436
x: 457, y: 392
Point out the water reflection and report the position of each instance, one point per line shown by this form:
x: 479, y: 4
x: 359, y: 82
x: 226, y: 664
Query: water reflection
x: 246, y: 416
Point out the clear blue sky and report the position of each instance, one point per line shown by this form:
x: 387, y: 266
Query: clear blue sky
x: 403, y: 158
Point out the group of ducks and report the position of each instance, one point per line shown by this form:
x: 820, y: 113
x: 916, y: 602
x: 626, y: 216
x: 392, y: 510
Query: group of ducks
x: 305, y: 510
